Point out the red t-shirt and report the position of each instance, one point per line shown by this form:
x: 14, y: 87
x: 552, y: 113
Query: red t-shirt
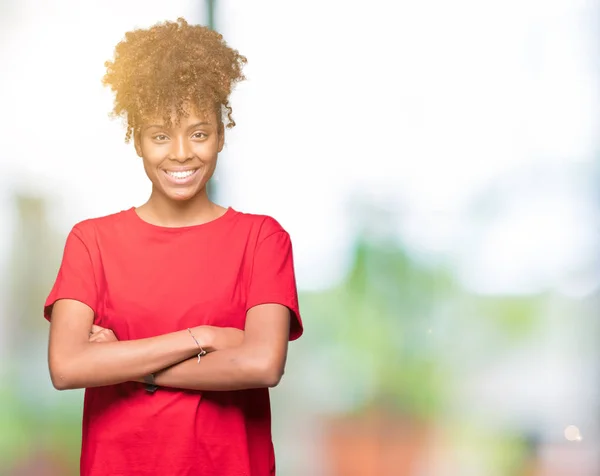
x: 143, y: 280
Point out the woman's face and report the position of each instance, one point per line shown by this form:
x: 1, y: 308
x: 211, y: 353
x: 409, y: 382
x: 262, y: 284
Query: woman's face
x: 180, y: 159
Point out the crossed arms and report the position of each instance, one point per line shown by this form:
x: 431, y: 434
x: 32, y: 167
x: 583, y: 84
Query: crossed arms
x: 236, y: 360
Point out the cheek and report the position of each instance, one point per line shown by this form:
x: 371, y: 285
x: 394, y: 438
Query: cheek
x: 150, y: 167
x: 152, y: 157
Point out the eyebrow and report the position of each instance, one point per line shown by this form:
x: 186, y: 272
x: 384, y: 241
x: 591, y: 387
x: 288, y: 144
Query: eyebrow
x: 157, y: 126
x: 198, y: 124
x: 192, y: 126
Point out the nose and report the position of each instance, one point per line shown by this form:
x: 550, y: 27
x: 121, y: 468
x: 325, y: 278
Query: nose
x: 181, y: 150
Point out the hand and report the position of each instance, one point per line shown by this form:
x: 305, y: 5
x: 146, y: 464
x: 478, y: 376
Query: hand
x: 101, y: 334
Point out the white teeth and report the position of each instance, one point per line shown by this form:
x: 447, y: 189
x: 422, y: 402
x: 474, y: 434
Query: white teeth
x: 180, y: 175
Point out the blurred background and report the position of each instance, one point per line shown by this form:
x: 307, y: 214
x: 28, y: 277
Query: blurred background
x: 436, y: 164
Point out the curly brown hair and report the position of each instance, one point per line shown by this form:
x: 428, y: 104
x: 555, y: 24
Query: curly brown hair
x: 159, y: 70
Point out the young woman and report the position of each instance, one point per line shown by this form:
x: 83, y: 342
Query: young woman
x: 174, y: 316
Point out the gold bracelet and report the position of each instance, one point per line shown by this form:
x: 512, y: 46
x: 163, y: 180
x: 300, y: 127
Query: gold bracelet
x: 202, y: 351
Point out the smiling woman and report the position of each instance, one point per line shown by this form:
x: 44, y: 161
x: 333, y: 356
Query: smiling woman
x: 175, y: 316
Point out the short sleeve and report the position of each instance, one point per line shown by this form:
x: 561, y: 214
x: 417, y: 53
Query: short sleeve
x: 273, y: 279
x: 75, y: 278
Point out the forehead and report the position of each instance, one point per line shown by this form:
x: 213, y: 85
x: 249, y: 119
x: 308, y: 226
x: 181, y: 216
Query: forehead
x: 182, y: 120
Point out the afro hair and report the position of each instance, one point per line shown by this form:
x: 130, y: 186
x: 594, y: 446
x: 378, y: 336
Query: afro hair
x: 160, y: 71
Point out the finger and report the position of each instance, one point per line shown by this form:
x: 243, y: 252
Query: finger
x: 96, y: 328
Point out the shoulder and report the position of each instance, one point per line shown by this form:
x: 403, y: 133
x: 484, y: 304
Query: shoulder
x: 89, y: 228
x: 262, y: 226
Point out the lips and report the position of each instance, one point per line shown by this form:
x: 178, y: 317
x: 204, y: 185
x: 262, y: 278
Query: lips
x: 180, y: 177
x: 180, y: 174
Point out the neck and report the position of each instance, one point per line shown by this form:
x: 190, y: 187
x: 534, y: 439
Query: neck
x: 161, y: 210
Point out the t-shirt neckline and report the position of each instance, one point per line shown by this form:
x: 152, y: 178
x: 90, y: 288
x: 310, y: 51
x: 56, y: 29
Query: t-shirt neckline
x: 229, y: 212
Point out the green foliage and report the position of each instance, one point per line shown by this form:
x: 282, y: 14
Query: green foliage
x: 381, y: 317
x: 14, y: 437
x: 517, y: 315
x: 25, y: 429
x: 386, y: 330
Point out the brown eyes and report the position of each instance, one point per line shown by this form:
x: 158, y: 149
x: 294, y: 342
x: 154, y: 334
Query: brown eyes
x: 162, y: 137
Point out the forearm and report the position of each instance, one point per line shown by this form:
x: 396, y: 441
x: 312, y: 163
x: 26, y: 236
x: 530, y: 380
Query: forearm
x: 94, y: 365
x: 231, y: 369
x: 258, y: 362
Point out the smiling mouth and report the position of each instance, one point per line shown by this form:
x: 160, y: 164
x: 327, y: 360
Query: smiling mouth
x: 180, y: 174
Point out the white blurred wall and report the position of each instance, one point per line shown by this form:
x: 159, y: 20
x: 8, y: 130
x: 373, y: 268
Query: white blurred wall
x: 424, y: 107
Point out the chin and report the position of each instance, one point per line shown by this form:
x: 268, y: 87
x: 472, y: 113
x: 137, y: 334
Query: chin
x: 181, y: 193
x: 181, y: 197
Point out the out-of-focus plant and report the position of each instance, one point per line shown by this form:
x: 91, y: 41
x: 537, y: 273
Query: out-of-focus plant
x: 33, y: 425
x: 377, y: 328
x: 28, y: 431
x: 386, y: 331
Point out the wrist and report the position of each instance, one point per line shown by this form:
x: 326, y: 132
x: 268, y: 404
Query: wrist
x: 150, y: 383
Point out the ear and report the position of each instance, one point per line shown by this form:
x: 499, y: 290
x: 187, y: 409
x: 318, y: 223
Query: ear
x: 221, y: 135
x: 137, y: 142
